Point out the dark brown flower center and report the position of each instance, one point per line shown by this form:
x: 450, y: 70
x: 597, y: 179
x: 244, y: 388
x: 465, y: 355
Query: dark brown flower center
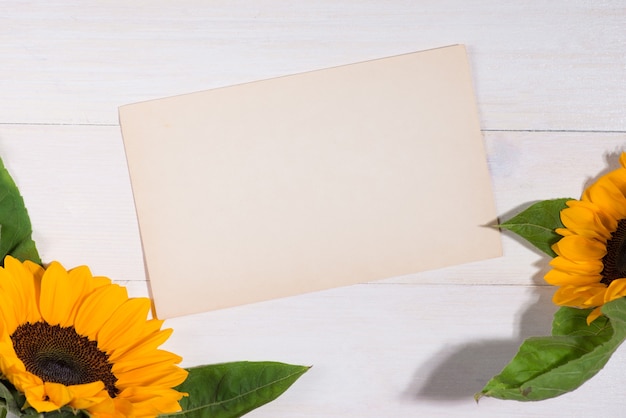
x: 60, y: 355
x: 614, y: 261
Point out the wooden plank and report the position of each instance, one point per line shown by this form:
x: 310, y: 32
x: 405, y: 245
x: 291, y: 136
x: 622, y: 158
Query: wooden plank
x: 417, y: 345
x: 527, y: 167
x: 76, y: 188
x: 560, y: 66
x: 80, y: 200
x: 393, y: 350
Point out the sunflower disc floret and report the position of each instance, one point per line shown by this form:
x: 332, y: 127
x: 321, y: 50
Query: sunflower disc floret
x: 590, y: 267
x: 70, y: 339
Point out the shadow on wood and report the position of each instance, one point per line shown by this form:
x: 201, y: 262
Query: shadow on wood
x: 456, y: 373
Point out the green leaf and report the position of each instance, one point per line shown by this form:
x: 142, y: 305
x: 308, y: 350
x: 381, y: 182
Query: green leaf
x: 65, y: 412
x: 537, y: 223
x: 230, y: 390
x: 8, y: 398
x: 546, y: 367
x: 15, y: 227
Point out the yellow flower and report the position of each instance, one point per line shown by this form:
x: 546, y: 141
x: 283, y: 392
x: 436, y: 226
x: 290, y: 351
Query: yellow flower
x: 590, y: 267
x: 70, y: 339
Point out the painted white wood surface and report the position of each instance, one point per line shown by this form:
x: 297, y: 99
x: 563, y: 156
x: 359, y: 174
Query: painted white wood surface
x: 550, y: 80
x: 538, y: 65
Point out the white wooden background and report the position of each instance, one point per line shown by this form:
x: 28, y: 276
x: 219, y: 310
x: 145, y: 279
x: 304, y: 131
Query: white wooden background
x: 550, y: 80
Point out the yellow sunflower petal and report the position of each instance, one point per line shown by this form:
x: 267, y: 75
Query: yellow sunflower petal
x: 87, y: 395
x: 58, y: 295
x: 576, y: 247
x: 157, y: 363
x: 17, y: 295
x: 125, y: 408
x: 608, y: 222
x: 123, y: 324
x: 559, y: 278
x: 593, y: 267
x: 97, y: 308
x: 37, y: 398
x: 111, y: 338
x: 87, y: 281
x: 587, y: 296
x: 147, y: 345
x: 585, y: 222
x: 57, y: 393
x: 105, y: 408
x: 564, y: 232
x: 65, y: 292
x: 608, y: 197
x: 27, y: 276
x: 152, y: 402
x: 594, y: 298
x: 616, y: 290
x: 10, y: 314
x: 618, y: 178
x: 157, y: 375
x: 154, y: 357
x: 595, y: 314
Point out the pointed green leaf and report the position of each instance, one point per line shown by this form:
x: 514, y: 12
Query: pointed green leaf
x: 537, y: 223
x: 546, y: 367
x: 230, y: 390
x: 15, y: 227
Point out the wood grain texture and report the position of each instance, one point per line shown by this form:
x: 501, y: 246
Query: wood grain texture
x: 556, y: 65
x: 417, y: 345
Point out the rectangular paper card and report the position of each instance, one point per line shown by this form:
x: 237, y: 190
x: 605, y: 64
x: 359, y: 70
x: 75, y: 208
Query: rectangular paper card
x: 310, y: 181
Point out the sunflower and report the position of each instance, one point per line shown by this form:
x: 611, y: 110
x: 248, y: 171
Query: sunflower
x: 590, y: 267
x: 68, y: 339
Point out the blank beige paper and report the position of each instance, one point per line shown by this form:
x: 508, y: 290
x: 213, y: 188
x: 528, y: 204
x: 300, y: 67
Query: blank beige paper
x: 310, y: 181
